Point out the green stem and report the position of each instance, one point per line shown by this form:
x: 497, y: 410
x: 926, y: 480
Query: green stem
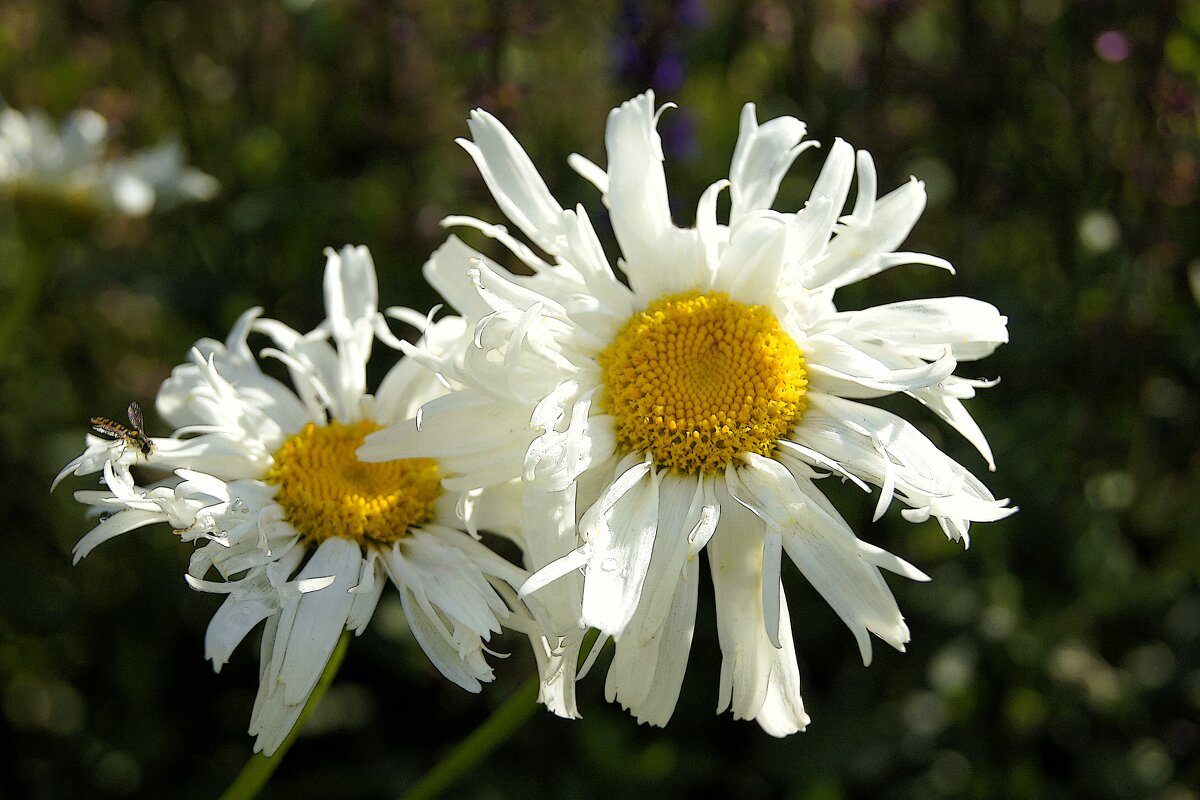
x: 36, y: 258
x: 495, y: 730
x: 44, y: 223
x: 259, y: 768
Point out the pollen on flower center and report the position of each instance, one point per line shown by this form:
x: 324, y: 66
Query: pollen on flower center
x: 325, y: 491
x: 697, y: 379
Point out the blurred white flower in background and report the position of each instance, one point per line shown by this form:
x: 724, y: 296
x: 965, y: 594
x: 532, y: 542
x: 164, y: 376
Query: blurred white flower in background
x: 70, y: 163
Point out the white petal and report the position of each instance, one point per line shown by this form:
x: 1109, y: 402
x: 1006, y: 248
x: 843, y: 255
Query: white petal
x: 782, y: 712
x: 320, y: 617
x: 453, y: 572
x: 750, y: 265
x: 833, y: 184
x: 892, y: 563
x: 637, y: 194
x: 219, y: 396
x: 824, y: 548
x: 680, y: 509
x: 271, y: 719
x: 758, y: 680
x: 587, y: 255
x: 405, y: 388
x: 550, y: 533
x: 556, y: 663
x: 528, y: 257
x: 771, y: 588
x: 497, y: 509
x: 790, y: 452
x: 706, y: 509
x: 620, y: 530
x: 589, y: 171
x: 502, y: 291
x: 764, y: 245
x: 366, y: 594
x: 112, y: 527
x: 941, y: 400
x: 222, y: 456
x: 555, y: 459
x: 448, y: 271
x: 316, y: 370
x: 234, y: 619
x: 487, y: 563
x: 761, y: 158
x: 351, y: 291
x: 351, y: 305
x: 864, y: 203
x: 556, y: 569
x: 836, y: 366
x: 711, y: 235
x: 646, y: 674
x: 971, y: 328
x: 438, y: 430
x: 514, y: 181
x: 460, y: 661
x: 735, y: 562
x: 857, y: 251
x: 869, y: 442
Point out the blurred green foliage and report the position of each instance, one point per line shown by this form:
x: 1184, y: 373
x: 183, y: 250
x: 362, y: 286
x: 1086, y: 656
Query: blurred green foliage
x: 1058, y: 657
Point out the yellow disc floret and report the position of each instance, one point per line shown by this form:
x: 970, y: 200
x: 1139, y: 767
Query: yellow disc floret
x: 697, y: 379
x: 326, y: 491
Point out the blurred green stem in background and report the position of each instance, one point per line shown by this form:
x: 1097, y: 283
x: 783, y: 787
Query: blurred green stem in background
x: 259, y: 768
x: 35, y: 259
x: 496, y: 729
x: 46, y: 224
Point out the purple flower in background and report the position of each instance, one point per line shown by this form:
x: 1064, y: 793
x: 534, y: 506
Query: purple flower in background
x: 668, y: 73
x: 647, y: 51
x: 679, y: 134
x: 1113, y: 46
x: 692, y: 13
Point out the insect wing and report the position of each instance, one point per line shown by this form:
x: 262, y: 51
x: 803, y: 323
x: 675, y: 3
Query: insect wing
x: 135, y: 417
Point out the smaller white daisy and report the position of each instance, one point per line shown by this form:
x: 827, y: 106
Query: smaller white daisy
x: 70, y: 164
x: 298, y: 532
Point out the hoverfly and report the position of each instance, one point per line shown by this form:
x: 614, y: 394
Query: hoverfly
x: 134, y: 437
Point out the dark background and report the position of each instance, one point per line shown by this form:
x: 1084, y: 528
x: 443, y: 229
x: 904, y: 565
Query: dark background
x: 1058, y: 657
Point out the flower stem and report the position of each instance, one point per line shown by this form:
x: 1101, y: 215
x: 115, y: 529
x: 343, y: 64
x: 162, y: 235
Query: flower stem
x: 22, y: 303
x: 33, y: 268
x: 494, y: 731
x: 259, y: 768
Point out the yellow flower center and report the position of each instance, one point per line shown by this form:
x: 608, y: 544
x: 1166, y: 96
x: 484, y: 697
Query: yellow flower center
x: 326, y: 491
x: 696, y: 379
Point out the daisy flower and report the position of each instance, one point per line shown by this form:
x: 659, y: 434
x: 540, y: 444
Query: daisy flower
x: 292, y: 528
x: 695, y: 406
x: 70, y: 164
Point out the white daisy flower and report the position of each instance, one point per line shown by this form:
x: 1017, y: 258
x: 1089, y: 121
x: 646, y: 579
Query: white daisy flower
x: 294, y: 530
x: 695, y: 407
x: 70, y: 164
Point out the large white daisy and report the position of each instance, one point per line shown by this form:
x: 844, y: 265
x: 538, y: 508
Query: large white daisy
x: 70, y: 164
x: 694, y: 407
x: 293, y: 528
